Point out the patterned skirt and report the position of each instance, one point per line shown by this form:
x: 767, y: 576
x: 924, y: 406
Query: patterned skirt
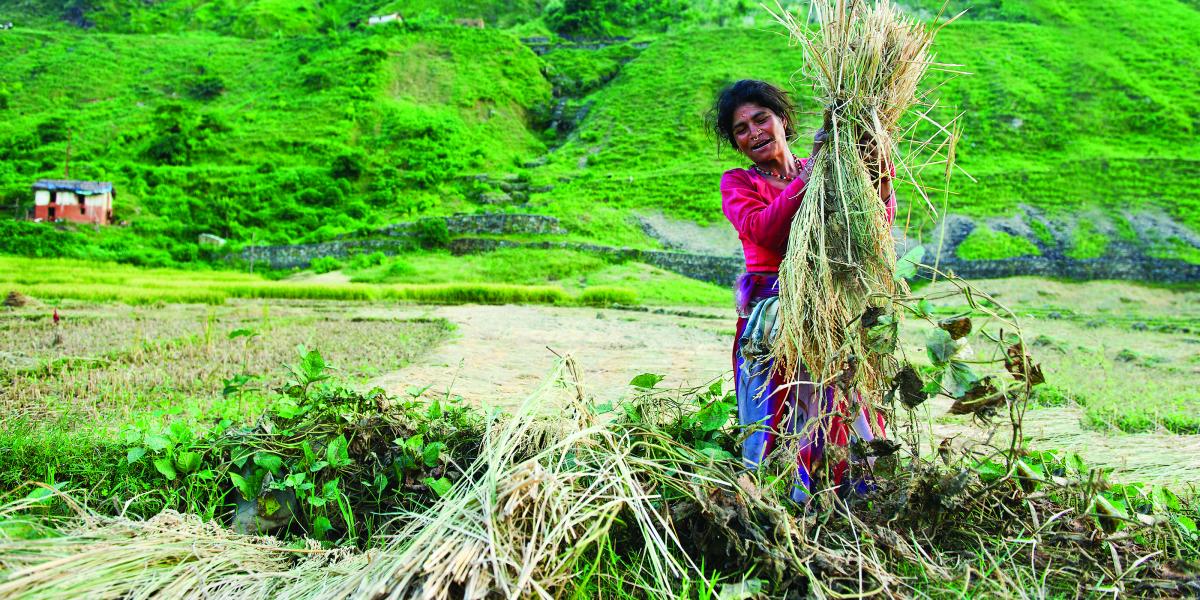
x: 770, y: 406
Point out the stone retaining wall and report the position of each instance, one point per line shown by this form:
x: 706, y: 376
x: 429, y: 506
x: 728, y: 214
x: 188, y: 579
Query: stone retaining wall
x: 1122, y: 260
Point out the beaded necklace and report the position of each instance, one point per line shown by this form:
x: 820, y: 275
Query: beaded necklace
x: 766, y: 173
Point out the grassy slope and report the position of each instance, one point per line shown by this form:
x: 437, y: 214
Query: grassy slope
x: 1071, y: 107
x: 1061, y: 114
x: 406, y: 108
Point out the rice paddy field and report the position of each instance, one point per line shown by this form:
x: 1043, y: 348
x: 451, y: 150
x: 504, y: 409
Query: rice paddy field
x: 133, y: 413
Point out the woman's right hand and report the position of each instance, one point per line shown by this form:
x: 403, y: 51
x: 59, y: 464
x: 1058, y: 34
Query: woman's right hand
x: 819, y: 140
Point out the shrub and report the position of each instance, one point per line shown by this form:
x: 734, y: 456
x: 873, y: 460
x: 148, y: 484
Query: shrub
x: 362, y: 261
x: 205, y: 88
x: 325, y: 264
x: 432, y: 233
x: 52, y: 130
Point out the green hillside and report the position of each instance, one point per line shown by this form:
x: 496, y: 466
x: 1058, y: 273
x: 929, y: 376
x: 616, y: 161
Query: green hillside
x: 274, y: 121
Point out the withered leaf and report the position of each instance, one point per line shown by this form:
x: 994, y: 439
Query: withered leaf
x: 870, y: 317
x: 1016, y: 360
x: 981, y: 397
x: 908, y: 385
x: 957, y: 327
x: 881, y: 447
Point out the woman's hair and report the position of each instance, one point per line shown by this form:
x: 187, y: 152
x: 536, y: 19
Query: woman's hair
x: 749, y: 91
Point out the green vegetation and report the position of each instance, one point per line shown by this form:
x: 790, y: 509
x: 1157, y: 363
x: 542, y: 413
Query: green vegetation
x: 1123, y: 354
x: 300, y: 128
x: 984, y: 243
x: 1087, y: 241
x: 505, y: 277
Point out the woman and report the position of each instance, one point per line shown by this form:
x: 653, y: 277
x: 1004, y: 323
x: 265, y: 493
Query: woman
x: 757, y: 118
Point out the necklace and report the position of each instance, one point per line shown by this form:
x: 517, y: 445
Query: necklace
x: 779, y: 176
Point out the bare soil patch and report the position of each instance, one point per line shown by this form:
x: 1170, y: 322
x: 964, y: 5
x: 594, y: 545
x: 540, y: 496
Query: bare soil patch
x: 500, y: 354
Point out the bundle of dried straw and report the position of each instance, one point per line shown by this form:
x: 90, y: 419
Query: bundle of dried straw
x: 866, y: 61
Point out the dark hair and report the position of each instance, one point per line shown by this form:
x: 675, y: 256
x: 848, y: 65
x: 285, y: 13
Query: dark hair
x: 749, y: 91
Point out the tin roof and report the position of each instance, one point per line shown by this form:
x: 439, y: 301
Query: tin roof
x: 79, y: 187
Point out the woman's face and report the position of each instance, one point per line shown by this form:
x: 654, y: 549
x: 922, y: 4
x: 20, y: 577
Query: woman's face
x: 759, y: 132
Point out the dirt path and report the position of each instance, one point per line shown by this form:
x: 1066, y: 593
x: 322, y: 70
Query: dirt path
x: 499, y: 354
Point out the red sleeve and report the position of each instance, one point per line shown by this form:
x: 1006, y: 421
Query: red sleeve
x: 763, y: 222
x: 890, y: 205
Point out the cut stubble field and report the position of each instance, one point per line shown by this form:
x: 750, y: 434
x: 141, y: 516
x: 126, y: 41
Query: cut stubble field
x: 1121, y: 361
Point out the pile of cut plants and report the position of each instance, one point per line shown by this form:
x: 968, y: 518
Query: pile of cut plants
x: 336, y: 493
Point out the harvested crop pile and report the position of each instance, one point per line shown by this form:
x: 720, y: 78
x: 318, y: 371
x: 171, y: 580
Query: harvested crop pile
x: 646, y: 505
x: 15, y: 299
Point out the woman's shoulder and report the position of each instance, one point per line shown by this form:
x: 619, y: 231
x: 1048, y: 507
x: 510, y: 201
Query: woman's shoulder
x: 737, y: 177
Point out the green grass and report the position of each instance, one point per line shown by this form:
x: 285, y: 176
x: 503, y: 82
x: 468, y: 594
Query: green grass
x: 1068, y: 109
x: 1123, y: 354
x: 1087, y: 241
x: 574, y: 271
x: 984, y: 243
x: 509, y: 276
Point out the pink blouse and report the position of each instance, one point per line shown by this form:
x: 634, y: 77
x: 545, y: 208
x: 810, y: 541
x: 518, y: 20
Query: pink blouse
x: 762, y: 215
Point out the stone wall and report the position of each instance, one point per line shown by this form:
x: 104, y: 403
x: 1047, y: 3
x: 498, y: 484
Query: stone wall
x: 1125, y: 260
x: 721, y: 270
x: 300, y: 256
x: 487, y: 223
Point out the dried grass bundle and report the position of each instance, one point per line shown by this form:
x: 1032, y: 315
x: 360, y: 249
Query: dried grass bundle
x: 865, y: 61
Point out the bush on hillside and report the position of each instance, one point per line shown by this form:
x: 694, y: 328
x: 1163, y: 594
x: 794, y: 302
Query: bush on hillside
x: 206, y: 88
x: 432, y: 233
x: 52, y: 130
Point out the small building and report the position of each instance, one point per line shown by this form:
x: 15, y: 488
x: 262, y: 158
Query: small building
x: 471, y: 23
x: 70, y: 200
x: 389, y: 18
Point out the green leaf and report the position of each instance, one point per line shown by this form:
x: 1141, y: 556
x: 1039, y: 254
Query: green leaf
x: 415, y: 443
x: 135, y: 454
x: 243, y: 486
x: 715, y: 389
x: 646, y: 380
x: 1167, y: 499
x: 435, y: 409
x: 713, y: 416
x: 165, y: 467
x: 180, y: 433
x: 309, y: 456
x: 38, y: 494
x: 270, y: 504
x: 317, y: 466
x: 716, y: 453
x: 906, y: 267
x: 187, y: 461
x: 321, y: 527
x: 959, y: 378
x: 924, y: 308
x: 380, y: 482
x: 286, y: 408
x: 268, y: 461
x: 440, y: 486
x: 156, y: 443
x: 313, y: 366
x: 337, y: 453
x: 330, y: 490
x: 1185, y: 523
x: 237, y: 333
x: 883, y: 337
x: 431, y: 453
x: 939, y: 346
